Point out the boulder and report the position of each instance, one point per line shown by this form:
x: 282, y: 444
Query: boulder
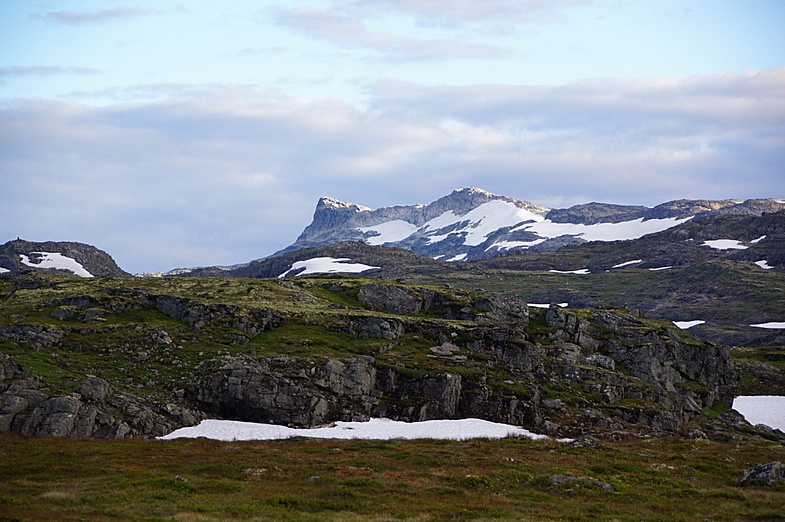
x: 95, y: 388
x: 764, y: 474
x: 9, y: 368
x: 390, y: 298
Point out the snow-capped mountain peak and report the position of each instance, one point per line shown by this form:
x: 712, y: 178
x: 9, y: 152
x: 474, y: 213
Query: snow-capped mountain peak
x: 471, y: 223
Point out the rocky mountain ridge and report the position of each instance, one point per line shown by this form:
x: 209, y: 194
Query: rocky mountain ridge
x: 471, y: 224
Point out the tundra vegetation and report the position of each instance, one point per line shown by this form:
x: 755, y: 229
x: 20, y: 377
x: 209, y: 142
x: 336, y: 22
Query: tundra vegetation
x: 113, y: 362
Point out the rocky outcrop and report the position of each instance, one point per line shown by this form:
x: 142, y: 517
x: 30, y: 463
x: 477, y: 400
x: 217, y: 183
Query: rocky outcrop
x: 764, y: 474
x: 34, y: 336
x: 252, y: 321
x: 95, y: 411
x: 489, y: 308
x: 287, y: 391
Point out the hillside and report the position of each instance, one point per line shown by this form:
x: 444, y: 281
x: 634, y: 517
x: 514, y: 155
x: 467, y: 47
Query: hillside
x: 114, y: 357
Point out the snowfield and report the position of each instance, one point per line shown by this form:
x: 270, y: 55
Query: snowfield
x: 389, y: 232
x: 771, y: 326
x: 378, y: 429
x: 724, y: 244
x: 602, y: 231
x: 479, y: 223
x: 628, y: 263
x: 582, y: 271
x: 327, y: 265
x: 762, y: 409
x: 684, y: 325
x: 764, y: 265
x: 58, y: 261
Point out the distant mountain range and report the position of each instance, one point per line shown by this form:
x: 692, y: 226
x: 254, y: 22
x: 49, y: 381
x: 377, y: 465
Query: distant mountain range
x: 717, y: 266
x: 469, y: 224
x: 472, y: 224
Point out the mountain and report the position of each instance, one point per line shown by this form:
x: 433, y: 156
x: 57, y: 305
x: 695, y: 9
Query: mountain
x: 67, y: 257
x: 726, y: 271
x: 472, y: 224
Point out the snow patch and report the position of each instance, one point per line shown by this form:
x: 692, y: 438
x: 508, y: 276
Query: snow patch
x: 58, y: 261
x: 459, y: 257
x: 582, y: 271
x: 483, y: 220
x: 478, y: 224
x: 761, y: 238
x: 762, y: 409
x: 660, y: 268
x: 389, y: 232
x: 3, y: 270
x: 506, y: 245
x: 684, y: 325
x: 764, y: 265
x: 378, y: 429
x: 546, y: 305
x: 327, y: 265
x: 602, y: 231
x: 724, y: 244
x: 770, y: 326
x: 628, y: 263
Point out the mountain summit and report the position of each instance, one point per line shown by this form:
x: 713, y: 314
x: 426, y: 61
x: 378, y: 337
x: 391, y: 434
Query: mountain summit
x: 471, y: 223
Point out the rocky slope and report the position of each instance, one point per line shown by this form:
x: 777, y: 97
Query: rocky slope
x: 136, y: 357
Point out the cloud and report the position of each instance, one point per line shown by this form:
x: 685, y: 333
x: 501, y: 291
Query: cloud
x: 44, y: 70
x: 488, y: 13
x: 351, y: 32
x: 96, y: 16
x: 225, y: 174
x: 264, y: 51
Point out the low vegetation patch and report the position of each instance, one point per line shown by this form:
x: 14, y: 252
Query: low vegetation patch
x: 510, y: 479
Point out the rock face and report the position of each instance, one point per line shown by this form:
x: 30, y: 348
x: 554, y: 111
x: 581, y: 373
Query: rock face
x: 97, y: 411
x: 287, y: 391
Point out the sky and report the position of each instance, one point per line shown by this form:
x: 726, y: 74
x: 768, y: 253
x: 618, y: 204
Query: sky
x: 179, y: 134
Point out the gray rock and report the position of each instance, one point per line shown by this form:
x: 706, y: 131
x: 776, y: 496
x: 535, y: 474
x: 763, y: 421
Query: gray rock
x: 12, y: 404
x: 95, y: 388
x: 63, y: 313
x: 372, y: 326
x: 764, y: 473
x: 390, y: 298
x: 9, y: 368
x: 601, y: 361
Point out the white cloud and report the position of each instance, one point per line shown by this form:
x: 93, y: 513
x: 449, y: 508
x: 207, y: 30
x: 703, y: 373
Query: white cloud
x: 222, y: 175
x: 45, y: 70
x: 98, y: 16
x: 497, y: 15
x: 349, y: 31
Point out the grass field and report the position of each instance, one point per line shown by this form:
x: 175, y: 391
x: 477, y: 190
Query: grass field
x: 299, y: 479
